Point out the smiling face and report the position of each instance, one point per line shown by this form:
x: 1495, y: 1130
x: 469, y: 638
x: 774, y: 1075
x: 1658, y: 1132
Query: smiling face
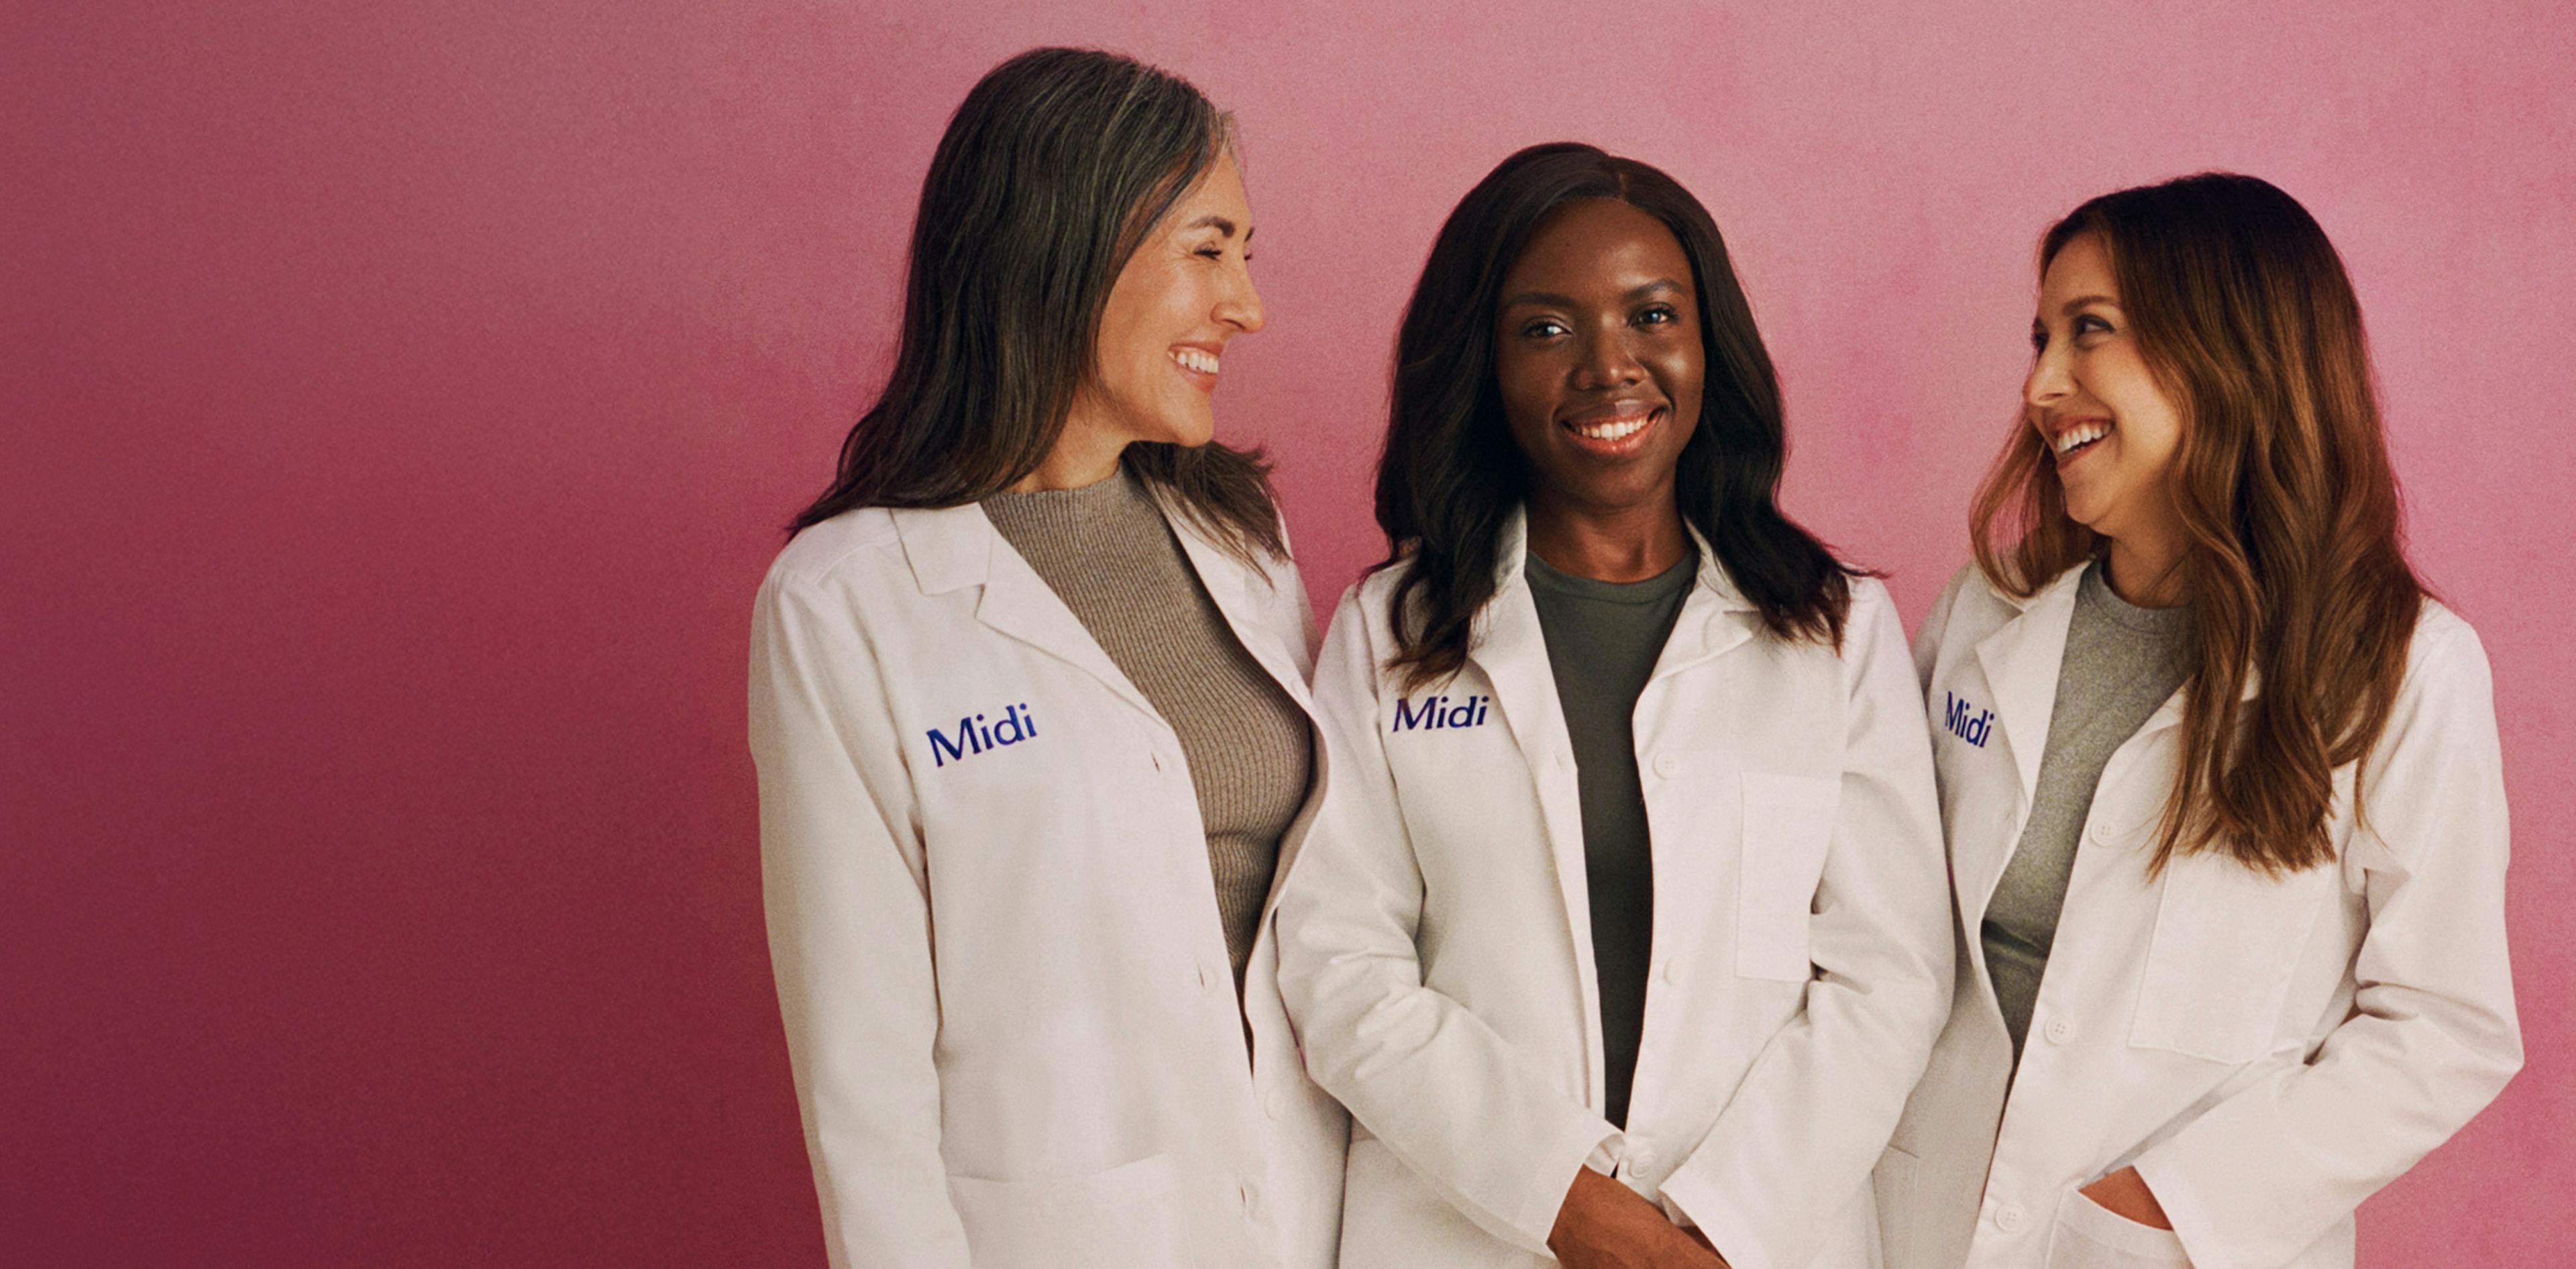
x: 1186, y: 291
x: 1599, y: 359
x: 2109, y: 425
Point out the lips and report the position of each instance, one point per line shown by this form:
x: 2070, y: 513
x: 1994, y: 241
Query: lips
x: 1197, y: 361
x: 1615, y: 433
x: 2071, y: 439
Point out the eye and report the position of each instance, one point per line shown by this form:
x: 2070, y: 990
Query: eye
x: 2088, y: 324
x: 1212, y: 252
x: 2038, y: 339
x: 1659, y: 315
x: 1543, y: 328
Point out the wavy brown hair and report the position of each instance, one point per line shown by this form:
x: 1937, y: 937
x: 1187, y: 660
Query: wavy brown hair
x: 1055, y: 169
x: 2299, y: 588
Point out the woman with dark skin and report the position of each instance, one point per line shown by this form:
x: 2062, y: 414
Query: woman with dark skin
x: 1622, y: 933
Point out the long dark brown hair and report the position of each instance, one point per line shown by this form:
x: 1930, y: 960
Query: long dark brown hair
x: 1451, y: 476
x: 1055, y: 169
x: 2295, y: 568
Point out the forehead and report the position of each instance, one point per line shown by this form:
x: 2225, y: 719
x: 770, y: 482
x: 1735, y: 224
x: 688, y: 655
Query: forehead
x: 2081, y: 267
x: 1217, y: 192
x: 1600, y: 241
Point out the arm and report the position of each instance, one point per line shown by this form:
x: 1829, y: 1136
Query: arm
x: 1431, y: 1080
x: 1799, y: 1138
x: 842, y: 876
x: 2432, y: 1037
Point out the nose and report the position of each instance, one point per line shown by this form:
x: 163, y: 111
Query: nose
x: 1608, y: 361
x: 2050, y: 379
x: 1240, y: 305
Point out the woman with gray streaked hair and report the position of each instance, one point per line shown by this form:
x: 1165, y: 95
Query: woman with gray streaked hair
x: 1028, y: 698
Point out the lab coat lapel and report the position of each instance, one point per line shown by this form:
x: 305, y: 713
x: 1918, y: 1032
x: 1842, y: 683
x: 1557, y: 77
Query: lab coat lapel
x: 2020, y: 661
x: 1715, y: 618
x: 952, y: 547
x: 1511, y: 651
x: 1239, y: 590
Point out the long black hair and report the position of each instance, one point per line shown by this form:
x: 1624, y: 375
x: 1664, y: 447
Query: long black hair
x: 1052, y: 172
x: 1451, y: 476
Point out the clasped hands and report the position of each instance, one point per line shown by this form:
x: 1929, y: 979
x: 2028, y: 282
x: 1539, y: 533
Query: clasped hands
x: 1606, y: 1225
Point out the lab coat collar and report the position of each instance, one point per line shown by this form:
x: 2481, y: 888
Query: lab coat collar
x: 1511, y: 551
x: 951, y: 548
x: 2021, y: 660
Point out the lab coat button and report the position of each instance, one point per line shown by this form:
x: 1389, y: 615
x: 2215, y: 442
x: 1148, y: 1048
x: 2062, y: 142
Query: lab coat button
x: 1668, y: 764
x: 1672, y: 972
x: 1244, y: 1192
x: 2008, y: 1217
x: 2059, y: 1030
x: 1207, y: 979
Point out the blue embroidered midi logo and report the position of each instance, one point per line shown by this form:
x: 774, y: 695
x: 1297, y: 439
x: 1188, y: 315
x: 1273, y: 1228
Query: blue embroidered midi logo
x: 974, y: 735
x: 1439, y: 713
x: 1967, y: 722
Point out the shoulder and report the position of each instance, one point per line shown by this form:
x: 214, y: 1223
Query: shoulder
x: 847, y: 545
x: 1872, y: 606
x: 857, y: 550
x: 2445, y: 653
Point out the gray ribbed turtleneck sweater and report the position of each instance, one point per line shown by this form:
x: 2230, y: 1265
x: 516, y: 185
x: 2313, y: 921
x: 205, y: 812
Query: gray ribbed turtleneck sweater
x: 1109, y: 556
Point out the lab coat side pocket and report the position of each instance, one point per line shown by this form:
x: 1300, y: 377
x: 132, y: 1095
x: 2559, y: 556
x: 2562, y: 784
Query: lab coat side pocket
x: 1129, y: 1217
x: 1788, y: 825
x: 2090, y: 1236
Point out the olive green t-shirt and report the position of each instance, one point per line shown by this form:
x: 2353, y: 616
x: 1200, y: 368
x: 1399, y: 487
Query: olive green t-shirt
x: 1603, y: 639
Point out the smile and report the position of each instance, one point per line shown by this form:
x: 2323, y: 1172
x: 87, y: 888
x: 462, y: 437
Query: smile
x: 1613, y: 435
x: 1197, y: 359
x: 2076, y: 437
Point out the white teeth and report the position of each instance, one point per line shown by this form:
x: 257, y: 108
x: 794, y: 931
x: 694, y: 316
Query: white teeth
x: 1612, y: 429
x: 2081, y: 434
x: 1193, y: 359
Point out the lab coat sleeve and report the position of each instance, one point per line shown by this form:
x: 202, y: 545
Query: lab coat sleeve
x: 844, y: 883
x: 1432, y: 1081
x: 1795, y: 1145
x: 2432, y: 1037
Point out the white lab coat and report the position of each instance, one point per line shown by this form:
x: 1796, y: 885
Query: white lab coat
x: 2266, y: 1052
x: 1437, y: 945
x: 1007, y: 997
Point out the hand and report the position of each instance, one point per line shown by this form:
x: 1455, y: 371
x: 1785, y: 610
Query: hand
x: 2125, y: 1193
x: 1606, y: 1225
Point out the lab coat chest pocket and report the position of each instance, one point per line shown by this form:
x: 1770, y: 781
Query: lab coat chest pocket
x: 2226, y: 943
x: 1128, y: 1216
x: 1788, y: 824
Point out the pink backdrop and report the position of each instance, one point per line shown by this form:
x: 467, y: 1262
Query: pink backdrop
x: 402, y: 403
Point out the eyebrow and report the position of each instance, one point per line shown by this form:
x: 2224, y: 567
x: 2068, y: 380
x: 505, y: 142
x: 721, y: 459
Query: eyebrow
x: 2080, y: 301
x: 1562, y: 301
x: 1219, y: 223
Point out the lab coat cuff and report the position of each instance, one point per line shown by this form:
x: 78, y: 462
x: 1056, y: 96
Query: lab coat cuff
x: 1583, y: 1138
x: 1694, y: 1200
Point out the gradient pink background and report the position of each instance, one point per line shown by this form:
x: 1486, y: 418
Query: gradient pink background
x: 403, y: 401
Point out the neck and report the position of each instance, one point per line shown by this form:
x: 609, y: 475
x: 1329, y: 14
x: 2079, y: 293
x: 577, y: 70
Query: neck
x: 1621, y: 544
x: 2146, y: 572
x: 1085, y: 454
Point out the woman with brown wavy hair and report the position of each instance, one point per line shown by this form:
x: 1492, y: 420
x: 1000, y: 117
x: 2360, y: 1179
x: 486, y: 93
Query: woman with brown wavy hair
x: 2221, y: 781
